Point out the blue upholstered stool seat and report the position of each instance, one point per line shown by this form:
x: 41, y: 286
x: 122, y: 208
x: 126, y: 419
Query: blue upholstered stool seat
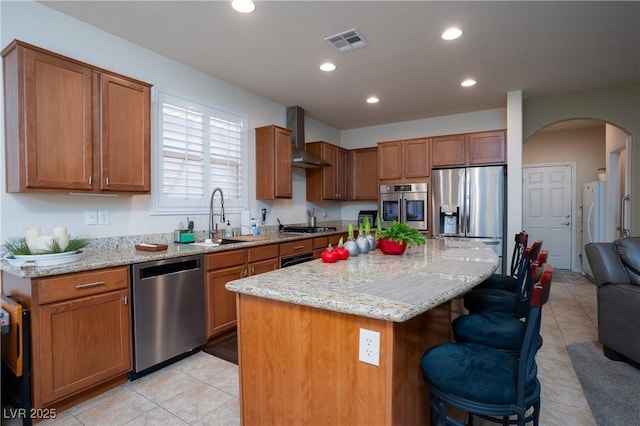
x: 493, y: 300
x: 476, y: 373
x: 497, y: 331
x: 500, y: 282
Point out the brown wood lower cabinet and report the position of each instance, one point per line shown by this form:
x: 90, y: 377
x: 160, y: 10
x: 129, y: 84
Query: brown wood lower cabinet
x: 84, y: 341
x: 221, y: 303
x: 81, y: 331
x: 228, y: 266
x: 263, y: 259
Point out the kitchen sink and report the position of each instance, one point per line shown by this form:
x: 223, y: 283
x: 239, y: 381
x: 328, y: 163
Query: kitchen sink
x: 223, y: 241
x: 231, y: 240
x: 244, y: 239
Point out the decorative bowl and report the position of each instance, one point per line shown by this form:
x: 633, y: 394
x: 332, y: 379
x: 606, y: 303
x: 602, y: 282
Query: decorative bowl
x: 36, y: 260
x: 391, y: 247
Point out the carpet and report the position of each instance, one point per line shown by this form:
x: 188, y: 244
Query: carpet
x: 611, y: 387
x: 226, y: 349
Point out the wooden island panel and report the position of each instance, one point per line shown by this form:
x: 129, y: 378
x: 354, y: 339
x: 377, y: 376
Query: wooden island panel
x: 299, y: 365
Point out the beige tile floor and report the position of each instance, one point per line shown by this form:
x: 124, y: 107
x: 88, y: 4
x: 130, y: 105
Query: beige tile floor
x: 203, y: 390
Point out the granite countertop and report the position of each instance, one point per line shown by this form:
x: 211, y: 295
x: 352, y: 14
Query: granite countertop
x: 121, y: 251
x: 393, y: 288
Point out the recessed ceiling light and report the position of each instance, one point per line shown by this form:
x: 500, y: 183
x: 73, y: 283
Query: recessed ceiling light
x: 373, y: 100
x: 451, y: 33
x: 327, y: 66
x: 468, y: 83
x: 243, y: 6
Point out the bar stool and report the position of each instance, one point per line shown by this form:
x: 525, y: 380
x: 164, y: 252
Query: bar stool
x: 508, y: 281
x: 487, y: 382
x: 495, y: 330
x: 505, y: 301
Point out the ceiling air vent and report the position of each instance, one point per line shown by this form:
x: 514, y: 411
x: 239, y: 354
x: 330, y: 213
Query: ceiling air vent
x: 347, y: 40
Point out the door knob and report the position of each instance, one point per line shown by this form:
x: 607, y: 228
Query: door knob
x: 565, y: 223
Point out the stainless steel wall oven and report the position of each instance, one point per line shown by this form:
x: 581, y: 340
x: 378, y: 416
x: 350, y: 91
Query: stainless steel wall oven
x: 407, y: 202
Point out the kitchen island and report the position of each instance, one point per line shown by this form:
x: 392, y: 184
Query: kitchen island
x: 299, y: 334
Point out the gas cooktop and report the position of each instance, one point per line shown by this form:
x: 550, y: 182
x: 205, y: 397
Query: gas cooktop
x: 306, y: 229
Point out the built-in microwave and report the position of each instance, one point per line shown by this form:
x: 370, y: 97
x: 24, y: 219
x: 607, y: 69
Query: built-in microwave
x: 407, y: 202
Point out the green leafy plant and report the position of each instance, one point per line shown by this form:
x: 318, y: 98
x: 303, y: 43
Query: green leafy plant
x: 19, y: 247
x: 399, y: 232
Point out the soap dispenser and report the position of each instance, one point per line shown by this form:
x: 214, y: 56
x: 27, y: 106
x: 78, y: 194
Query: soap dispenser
x: 227, y: 230
x: 254, y: 227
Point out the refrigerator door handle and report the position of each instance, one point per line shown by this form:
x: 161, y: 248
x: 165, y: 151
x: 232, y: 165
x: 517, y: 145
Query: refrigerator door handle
x: 466, y: 219
x: 623, y: 216
x: 590, y: 238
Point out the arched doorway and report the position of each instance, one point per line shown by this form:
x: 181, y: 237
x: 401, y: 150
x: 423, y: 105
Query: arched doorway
x: 558, y: 161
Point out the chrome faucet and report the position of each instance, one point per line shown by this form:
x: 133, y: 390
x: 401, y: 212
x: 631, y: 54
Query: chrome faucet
x: 222, y: 220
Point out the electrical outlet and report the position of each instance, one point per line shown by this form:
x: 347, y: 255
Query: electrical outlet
x: 91, y: 217
x: 103, y: 217
x: 369, y: 351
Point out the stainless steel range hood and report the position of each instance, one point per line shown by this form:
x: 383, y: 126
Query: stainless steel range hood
x: 301, y: 157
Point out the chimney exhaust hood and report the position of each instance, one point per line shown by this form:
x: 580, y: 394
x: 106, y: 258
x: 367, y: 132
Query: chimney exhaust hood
x: 301, y: 157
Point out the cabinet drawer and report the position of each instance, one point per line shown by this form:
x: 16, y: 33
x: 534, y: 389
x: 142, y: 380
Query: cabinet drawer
x: 320, y: 242
x: 82, y: 284
x: 225, y: 259
x: 335, y: 239
x: 296, y: 247
x: 263, y: 266
x: 256, y: 254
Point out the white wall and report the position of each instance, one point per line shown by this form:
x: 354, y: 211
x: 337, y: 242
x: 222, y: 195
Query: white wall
x: 39, y: 25
x: 478, y: 121
x: 619, y: 105
x: 445, y: 125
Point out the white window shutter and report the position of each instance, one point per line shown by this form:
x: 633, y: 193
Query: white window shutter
x: 193, y: 158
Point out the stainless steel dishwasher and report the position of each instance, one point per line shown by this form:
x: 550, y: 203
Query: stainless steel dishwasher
x: 169, y: 314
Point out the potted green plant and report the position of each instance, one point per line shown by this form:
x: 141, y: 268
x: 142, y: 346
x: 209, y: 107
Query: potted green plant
x: 395, y: 238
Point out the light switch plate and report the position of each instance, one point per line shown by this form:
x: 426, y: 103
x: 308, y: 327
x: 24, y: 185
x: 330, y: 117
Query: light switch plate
x: 91, y: 217
x: 103, y: 217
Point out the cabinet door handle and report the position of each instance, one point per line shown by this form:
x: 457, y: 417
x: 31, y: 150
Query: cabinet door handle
x: 125, y: 299
x: 90, y: 180
x: 106, y: 181
x: 253, y: 270
x: 88, y: 285
x: 298, y: 247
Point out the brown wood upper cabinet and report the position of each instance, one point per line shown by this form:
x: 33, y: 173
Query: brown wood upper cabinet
x: 363, y: 174
x: 73, y: 127
x: 469, y: 149
x: 273, y: 163
x: 406, y: 159
x: 327, y: 183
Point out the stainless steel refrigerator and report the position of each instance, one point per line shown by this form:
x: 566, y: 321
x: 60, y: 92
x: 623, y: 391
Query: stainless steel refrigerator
x: 469, y: 203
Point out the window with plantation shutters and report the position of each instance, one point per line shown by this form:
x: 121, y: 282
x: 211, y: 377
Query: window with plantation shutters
x: 199, y: 147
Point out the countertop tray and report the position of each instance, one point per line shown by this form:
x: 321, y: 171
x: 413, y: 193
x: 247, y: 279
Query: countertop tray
x: 151, y: 247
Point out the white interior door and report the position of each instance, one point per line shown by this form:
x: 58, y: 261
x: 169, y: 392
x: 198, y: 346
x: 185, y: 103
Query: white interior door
x: 547, y: 212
